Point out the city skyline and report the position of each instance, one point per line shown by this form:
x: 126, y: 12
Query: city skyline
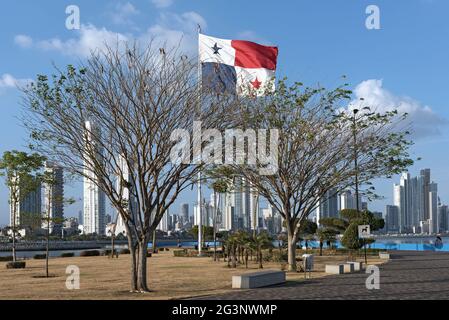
x: 29, y: 51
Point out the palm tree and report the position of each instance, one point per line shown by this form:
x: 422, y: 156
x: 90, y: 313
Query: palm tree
x: 326, y: 234
x: 260, y: 242
x: 219, y: 186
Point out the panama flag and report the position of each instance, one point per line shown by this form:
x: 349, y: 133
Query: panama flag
x: 237, y: 66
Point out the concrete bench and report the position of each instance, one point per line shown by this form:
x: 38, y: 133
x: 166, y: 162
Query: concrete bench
x: 348, y: 267
x: 384, y: 255
x: 258, y: 279
x: 335, y: 268
x: 358, y: 266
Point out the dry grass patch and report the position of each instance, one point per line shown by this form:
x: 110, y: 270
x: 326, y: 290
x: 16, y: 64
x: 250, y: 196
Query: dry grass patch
x: 103, y: 278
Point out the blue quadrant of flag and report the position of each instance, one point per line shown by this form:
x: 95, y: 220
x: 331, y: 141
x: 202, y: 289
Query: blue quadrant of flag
x: 219, y: 78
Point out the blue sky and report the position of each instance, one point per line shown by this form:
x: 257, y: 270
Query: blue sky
x: 404, y: 64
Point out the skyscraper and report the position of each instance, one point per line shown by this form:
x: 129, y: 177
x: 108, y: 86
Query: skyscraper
x: 443, y: 218
x: 28, y: 209
x: 54, y: 198
x: 124, y: 177
x: 425, y: 176
x: 392, y: 218
x: 80, y: 217
x: 94, y: 198
x: 433, y: 208
x: 417, y: 201
x: 328, y: 205
x: 185, y: 213
x: 348, y: 201
x: 164, y: 224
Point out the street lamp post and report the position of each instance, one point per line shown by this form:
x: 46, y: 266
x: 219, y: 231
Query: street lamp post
x: 356, y: 169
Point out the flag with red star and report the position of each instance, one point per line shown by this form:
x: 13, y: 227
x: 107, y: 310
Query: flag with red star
x: 237, y: 66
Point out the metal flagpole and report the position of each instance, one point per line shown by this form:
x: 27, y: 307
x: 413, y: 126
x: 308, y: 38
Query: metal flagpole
x: 200, y: 216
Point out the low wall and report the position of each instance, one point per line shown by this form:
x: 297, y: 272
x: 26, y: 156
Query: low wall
x: 57, y: 245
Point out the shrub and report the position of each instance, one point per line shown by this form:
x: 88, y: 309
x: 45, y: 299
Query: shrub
x: 40, y: 256
x: 125, y: 251
x: 148, y: 254
x: 274, y: 256
x: 7, y: 258
x: 350, y: 239
x: 191, y: 253
x: 16, y: 265
x: 90, y: 253
x: 67, y: 254
x: 180, y: 253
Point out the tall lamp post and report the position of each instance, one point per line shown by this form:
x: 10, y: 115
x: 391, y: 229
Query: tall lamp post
x: 199, y: 193
x: 356, y: 168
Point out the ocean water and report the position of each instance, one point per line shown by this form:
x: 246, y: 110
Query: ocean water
x: 402, y: 243
x: 405, y: 244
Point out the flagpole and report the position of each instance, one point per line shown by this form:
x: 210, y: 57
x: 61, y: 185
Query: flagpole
x: 199, y: 195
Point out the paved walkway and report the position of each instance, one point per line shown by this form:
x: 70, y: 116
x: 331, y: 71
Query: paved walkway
x: 409, y: 275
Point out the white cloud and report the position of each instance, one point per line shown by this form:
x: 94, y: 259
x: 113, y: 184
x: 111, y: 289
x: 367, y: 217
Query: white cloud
x: 162, y: 3
x: 23, y: 41
x: 423, y: 120
x: 90, y: 38
x: 171, y: 29
x: 123, y: 12
x: 7, y: 81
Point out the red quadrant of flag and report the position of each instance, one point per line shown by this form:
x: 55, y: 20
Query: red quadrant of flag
x: 252, y: 55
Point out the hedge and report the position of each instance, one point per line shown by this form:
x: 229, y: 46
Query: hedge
x: 40, y: 256
x: 67, y: 254
x: 7, y: 258
x: 16, y: 265
x: 90, y: 253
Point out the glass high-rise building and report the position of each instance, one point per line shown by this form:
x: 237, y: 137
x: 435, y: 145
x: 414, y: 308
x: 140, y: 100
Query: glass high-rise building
x: 94, y: 198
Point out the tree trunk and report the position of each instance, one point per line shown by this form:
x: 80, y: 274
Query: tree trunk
x: 112, y: 244
x: 260, y: 259
x: 14, y: 257
x: 215, y: 225
x: 132, y: 250
x: 47, y: 249
x: 246, y: 258
x: 142, y: 268
x: 234, y: 258
x: 291, y: 242
x: 153, y: 245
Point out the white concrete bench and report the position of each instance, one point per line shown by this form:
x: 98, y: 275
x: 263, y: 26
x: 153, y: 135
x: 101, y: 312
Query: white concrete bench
x: 335, y: 268
x: 348, y: 267
x: 384, y: 255
x: 358, y: 266
x: 258, y: 279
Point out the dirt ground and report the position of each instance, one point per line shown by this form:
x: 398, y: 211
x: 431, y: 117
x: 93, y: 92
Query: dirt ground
x: 108, y: 279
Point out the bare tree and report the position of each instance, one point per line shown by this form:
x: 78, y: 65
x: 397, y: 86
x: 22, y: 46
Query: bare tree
x: 123, y: 105
x: 316, y: 150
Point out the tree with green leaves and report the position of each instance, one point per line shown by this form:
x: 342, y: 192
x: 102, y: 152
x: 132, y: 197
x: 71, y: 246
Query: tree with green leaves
x: 219, y: 186
x: 20, y: 171
x: 260, y: 242
x: 326, y: 235
x: 208, y: 233
x: 348, y: 223
x: 314, y: 154
x: 51, y: 218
